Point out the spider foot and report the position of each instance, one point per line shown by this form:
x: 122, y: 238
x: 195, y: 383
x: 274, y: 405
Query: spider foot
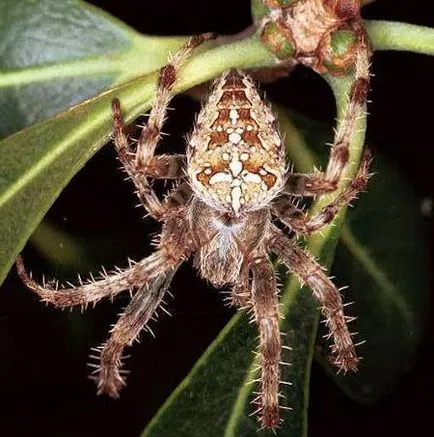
x: 345, y: 357
x: 107, y: 373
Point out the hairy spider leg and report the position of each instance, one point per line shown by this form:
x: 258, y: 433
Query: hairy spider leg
x: 327, y: 181
x: 143, y: 306
x: 311, y: 273
x: 110, y: 284
x: 265, y: 305
x: 297, y: 220
x: 140, y: 162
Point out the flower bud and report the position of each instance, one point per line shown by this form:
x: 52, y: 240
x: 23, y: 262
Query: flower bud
x: 340, y: 53
x: 278, y: 39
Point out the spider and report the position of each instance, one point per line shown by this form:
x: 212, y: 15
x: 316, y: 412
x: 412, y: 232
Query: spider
x: 233, y: 186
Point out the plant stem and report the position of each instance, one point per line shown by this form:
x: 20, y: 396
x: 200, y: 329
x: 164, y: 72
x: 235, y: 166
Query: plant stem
x: 391, y: 35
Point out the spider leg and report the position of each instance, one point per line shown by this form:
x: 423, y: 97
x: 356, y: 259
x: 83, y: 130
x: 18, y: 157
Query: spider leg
x: 176, y: 244
x: 178, y: 197
x: 325, y: 182
x: 151, y: 133
x: 240, y: 294
x: 296, y: 219
x: 141, y: 164
x: 136, y: 315
x: 265, y: 306
x: 93, y: 290
x: 173, y: 247
x: 160, y: 167
x: 311, y: 273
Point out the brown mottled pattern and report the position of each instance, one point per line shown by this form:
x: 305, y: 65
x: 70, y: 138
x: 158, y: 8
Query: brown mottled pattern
x: 241, y: 143
x: 216, y: 166
x: 235, y: 98
x: 233, y: 81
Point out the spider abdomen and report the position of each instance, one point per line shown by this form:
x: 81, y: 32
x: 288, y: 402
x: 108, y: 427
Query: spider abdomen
x: 235, y: 156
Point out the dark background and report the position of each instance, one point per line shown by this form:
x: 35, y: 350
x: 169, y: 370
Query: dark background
x: 43, y: 384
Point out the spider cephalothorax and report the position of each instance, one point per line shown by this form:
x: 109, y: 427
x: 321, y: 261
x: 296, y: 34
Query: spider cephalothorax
x: 233, y: 185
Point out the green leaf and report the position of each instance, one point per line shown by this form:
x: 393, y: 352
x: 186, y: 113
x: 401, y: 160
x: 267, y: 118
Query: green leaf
x: 217, y: 391
x: 38, y: 162
x: 382, y: 256
x: 55, y: 54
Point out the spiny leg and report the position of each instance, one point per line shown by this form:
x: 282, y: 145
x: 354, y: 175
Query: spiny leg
x: 177, y: 197
x: 140, y: 164
x: 137, y: 314
x: 161, y: 167
x: 93, y: 290
x: 265, y: 306
x: 312, y: 274
x: 151, y: 133
x: 240, y: 294
x: 174, y: 245
x: 296, y: 219
x: 324, y: 182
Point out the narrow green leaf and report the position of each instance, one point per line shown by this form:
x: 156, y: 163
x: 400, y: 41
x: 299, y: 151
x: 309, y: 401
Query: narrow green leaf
x: 382, y: 256
x: 201, y: 405
x: 39, y: 161
x: 216, y: 390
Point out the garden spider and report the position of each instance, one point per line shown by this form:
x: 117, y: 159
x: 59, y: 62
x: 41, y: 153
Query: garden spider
x: 232, y: 186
